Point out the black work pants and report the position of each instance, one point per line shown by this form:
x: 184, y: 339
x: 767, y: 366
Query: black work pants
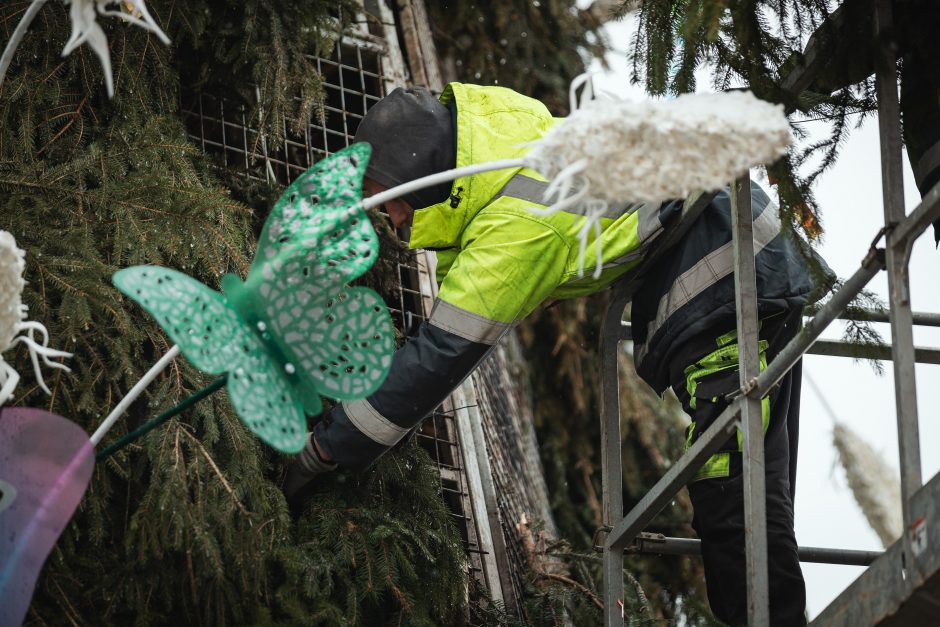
x: 719, y: 506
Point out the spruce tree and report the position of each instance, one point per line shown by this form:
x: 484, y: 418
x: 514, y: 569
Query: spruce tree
x: 188, y: 524
x: 815, y: 57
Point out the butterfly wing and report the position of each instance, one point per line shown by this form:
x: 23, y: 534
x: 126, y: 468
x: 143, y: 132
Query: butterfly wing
x: 319, y: 213
x: 209, y: 333
x: 46, y: 463
x: 315, y: 241
x: 215, y: 339
x: 266, y: 402
x: 351, y: 345
x: 342, y: 340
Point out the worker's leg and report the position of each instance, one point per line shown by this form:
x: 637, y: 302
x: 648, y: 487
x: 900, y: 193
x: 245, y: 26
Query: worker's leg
x: 717, y: 490
x: 718, y: 503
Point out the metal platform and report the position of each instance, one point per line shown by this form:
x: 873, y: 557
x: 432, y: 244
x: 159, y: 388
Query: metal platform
x: 900, y: 588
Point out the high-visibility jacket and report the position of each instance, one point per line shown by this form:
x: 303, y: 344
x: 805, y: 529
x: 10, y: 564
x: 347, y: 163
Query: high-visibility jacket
x: 497, y: 261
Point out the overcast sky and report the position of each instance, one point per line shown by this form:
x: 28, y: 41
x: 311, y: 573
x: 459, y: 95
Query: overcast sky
x: 850, y: 198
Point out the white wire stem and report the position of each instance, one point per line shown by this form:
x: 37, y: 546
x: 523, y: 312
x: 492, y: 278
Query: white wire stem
x: 37, y: 350
x: 9, y: 377
x: 148, y: 23
x: 594, y: 210
x: 268, y: 170
x: 17, y: 37
x: 440, y: 177
x: 586, y: 79
x: 560, y: 188
x: 134, y: 392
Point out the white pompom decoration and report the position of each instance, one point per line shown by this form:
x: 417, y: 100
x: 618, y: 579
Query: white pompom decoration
x: 654, y: 151
x: 13, y: 320
x: 12, y: 309
x: 613, y: 152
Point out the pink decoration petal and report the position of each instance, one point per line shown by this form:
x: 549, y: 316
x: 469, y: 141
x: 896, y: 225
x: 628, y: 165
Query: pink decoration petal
x: 46, y: 463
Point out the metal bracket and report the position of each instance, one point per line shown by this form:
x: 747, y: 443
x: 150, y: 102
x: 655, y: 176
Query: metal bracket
x: 644, y: 537
x: 875, y: 253
x: 744, y: 390
x: 595, y: 544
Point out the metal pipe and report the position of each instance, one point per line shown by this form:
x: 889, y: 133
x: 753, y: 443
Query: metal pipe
x: 611, y: 463
x: 752, y: 427
x: 870, y: 351
x: 833, y: 348
x: 897, y: 257
x: 659, y: 544
x: 919, y: 318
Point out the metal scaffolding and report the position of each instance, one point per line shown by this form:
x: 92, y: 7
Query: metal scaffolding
x: 901, y: 585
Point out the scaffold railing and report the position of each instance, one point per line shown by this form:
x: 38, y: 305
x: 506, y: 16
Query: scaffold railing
x: 904, y: 580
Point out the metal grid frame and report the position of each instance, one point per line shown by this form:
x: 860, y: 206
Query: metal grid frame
x: 353, y: 81
x: 354, y: 78
x: 904, y: 574
x: 519, y: 490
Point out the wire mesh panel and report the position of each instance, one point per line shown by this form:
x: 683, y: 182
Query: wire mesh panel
x: 518, y: 475
x: 353, y: 80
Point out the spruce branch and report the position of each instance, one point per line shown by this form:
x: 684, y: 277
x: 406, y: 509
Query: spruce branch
x: 215, y: 469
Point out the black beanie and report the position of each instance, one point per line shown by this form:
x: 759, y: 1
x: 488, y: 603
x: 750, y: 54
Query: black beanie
x: 412, y: 135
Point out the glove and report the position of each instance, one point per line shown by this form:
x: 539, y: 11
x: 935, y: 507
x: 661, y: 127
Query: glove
x: 305, y: 467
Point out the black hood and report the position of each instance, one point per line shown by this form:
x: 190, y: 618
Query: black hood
x: 411, y: 135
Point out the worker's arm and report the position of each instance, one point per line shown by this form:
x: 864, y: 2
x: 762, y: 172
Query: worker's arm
x: 508, y: 267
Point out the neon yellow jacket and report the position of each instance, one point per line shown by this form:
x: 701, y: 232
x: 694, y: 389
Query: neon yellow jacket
x: 496, y: 259
x: 497, y: 262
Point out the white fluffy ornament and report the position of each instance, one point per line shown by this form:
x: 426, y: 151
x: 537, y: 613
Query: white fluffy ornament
x: 611, y: 151
x: 13, y: 321
x: 12, y: 309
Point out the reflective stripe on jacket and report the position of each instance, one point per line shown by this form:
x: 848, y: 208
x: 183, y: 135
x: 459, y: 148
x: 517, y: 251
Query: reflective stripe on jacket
x: 690, y: 290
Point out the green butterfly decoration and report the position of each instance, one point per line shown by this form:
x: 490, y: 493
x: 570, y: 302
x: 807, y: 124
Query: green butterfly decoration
x: 292, y: 330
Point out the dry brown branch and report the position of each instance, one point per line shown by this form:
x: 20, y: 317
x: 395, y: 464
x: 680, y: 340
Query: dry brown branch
x: 593, y: 502
x: 225, y: 483
x: 537, y: 566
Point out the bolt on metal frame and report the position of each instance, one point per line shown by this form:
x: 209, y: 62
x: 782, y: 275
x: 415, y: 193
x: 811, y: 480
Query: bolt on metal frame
x: 898, y: 572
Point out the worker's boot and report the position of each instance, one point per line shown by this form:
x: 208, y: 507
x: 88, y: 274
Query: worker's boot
x: 305, y: 467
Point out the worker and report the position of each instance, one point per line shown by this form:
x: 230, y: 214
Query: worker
x: 497, y: 262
